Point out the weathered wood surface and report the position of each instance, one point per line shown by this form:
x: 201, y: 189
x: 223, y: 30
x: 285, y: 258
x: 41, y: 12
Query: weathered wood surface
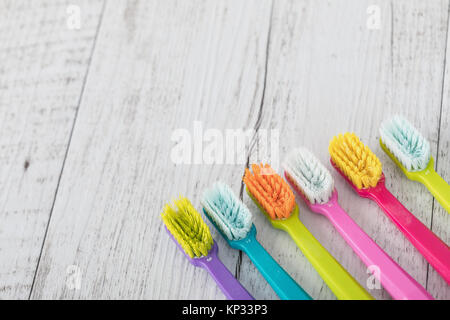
x: 327, y: 74
x: 159, y: 66
x: 43, y: 65
x: 85, y: 179
x: 441, y: 218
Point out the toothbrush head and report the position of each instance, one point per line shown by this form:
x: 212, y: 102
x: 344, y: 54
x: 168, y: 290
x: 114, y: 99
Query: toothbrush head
x: 187, y: 228
x: 270, y: 192
x: 405, y: 144
x: 309, y: 176
x: 355, y: 161
x: 229, y: 214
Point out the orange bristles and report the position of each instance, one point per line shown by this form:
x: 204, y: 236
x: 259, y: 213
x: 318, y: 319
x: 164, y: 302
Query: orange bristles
x: 271, y: 192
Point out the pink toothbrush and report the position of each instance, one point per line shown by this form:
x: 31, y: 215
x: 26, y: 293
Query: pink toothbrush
x: 314, y: 183
x: 362, y: 170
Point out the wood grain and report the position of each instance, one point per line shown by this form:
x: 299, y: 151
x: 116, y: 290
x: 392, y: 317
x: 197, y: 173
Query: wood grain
x: 159, y: 66
x: 42, y: 70
x: 327, y: 74
x: 88, y: 118
x: 441, y: 218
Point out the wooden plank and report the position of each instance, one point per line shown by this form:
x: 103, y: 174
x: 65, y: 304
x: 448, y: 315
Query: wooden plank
x: 441, y: 218
x: 42, y: 71
x: 329, y: 72
x: 159, y: 66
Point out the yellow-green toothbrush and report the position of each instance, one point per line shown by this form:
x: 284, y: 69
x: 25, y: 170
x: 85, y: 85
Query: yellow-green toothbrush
x: 276, y: 200
x: 411, y: 152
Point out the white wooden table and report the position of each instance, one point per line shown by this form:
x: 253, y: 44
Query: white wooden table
x: 87, y: 112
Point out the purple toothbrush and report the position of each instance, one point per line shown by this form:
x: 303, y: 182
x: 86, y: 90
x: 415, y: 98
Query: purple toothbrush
x: 192, y: 236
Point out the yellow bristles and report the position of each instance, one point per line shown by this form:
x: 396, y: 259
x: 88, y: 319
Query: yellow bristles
x: 355, y: 160
x: 188, y: 228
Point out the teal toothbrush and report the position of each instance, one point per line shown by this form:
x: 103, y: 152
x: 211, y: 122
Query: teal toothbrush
x: 233, y: 220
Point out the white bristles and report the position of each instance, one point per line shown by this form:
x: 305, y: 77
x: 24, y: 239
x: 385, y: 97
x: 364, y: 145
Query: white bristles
x: 410, y: 148
x: 310, y: 176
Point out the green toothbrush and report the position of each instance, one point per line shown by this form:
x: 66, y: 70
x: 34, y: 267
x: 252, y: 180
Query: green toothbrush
x: 411, y: 152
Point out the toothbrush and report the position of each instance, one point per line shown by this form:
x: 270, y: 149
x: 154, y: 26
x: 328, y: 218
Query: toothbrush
x: 314, y: 183
x: 277, y: 201
x: 411, y: 152
x: 363, y: 171
x: 233, y: 220
x: 193, y: 237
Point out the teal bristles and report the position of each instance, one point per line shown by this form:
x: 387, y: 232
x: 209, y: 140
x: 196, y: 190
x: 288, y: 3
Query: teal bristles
x: 227, y: 212
x: 410, y: 148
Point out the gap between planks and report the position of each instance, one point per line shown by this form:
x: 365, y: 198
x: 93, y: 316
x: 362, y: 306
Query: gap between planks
x: 256, y: 127
x: 444, y: 68
x: 91, y: 54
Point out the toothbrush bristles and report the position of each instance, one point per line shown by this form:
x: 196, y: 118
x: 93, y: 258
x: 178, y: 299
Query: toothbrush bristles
x: 271, y: 192
x: 308, y: 174
x: 228, y: 213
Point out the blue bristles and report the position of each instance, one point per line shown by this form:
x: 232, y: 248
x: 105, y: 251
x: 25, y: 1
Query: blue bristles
x: 228, y: 213
x: 410, y: 148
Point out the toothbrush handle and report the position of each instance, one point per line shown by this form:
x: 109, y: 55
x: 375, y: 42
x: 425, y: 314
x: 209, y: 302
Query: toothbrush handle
x: 343, y: 285
x: 429, y: 245
x: 394, y: 279
x: 281, y: 282
x: 232, y: 289
x: 437, y: 186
